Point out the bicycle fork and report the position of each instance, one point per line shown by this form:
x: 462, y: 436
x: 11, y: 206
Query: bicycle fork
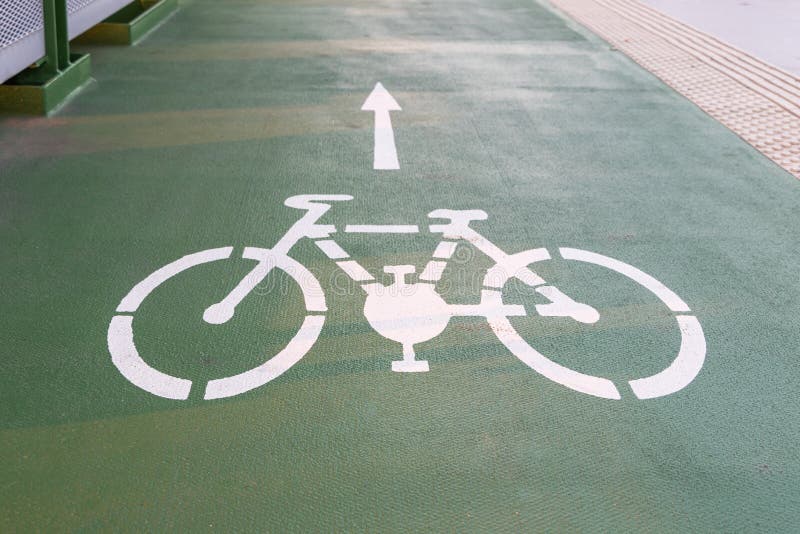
x: 560, y: 304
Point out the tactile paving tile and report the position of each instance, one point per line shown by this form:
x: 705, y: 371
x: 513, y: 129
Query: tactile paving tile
x: 757, y: 101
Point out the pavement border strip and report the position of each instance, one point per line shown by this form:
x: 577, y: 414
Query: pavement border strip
x: 710, y: 42
x: 757, y: 101
x: 725, y: 59
x: 789, y: 80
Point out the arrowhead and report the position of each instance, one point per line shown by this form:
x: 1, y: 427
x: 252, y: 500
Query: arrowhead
x: 379, y: 100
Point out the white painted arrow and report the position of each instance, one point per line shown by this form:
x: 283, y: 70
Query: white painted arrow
x: 381, y: 102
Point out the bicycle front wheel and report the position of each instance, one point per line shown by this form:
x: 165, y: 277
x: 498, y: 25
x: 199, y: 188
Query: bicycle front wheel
x: 680, y: 373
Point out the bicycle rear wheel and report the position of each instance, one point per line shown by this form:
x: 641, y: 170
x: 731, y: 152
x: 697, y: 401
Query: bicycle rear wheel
x: 126, y: 358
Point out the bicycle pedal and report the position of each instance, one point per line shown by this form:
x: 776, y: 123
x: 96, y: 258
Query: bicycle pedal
x: 416, y: 366
x: 563, y: 306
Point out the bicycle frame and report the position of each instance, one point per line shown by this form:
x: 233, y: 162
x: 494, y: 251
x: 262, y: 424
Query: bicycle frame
x: 457, y: 228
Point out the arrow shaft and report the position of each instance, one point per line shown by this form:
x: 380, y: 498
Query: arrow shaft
x: 385, y: 149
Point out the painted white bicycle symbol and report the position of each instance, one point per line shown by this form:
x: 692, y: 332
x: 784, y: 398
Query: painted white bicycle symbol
x: 403, y: 312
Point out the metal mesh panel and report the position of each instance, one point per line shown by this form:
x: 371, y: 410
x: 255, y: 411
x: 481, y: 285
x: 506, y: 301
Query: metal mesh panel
x: 76, y: 5
x: 18, y: 19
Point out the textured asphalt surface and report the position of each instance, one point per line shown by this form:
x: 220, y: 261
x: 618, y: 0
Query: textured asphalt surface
x: 193, y: 139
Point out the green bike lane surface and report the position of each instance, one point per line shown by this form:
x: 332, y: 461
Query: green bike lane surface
x: 193, y: 140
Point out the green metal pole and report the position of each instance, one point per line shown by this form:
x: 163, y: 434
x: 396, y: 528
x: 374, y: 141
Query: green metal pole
x: 62, y: 34
x: 50, y: 38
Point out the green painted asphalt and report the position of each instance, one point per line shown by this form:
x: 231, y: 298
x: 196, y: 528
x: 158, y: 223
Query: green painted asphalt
x: 193, y: 139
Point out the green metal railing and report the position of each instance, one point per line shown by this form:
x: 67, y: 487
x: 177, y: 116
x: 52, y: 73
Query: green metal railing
x: 43, y: 87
